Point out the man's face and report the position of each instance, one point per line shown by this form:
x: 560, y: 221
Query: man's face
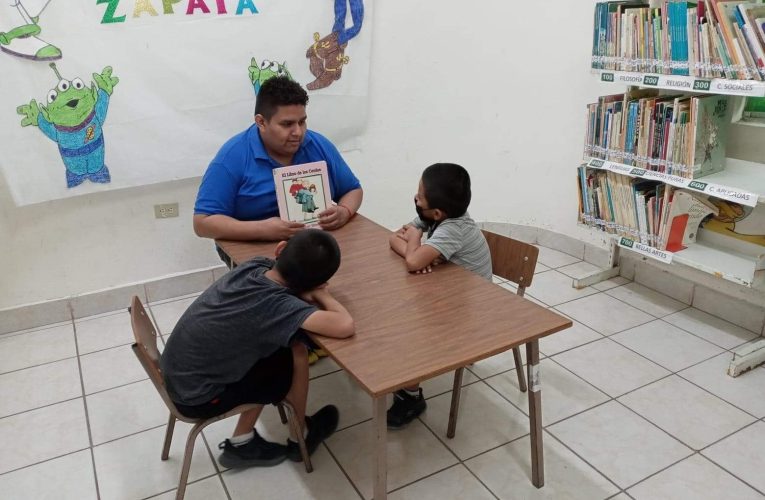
x: 283, y: 132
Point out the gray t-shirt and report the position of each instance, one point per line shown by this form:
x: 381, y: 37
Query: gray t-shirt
x: 242, y: 318
x: 461, y: 241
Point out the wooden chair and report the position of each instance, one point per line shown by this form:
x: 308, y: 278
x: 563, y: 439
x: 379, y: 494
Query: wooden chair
x: 145, y: 348
x: 514, y: 261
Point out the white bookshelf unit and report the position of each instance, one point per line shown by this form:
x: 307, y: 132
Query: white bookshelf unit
x: 741, y: 182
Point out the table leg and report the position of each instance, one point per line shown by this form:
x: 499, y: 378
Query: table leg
x: 380, y: 452
x: 535, y: 414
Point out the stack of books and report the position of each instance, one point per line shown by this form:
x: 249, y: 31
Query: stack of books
x: 649, y: 212
x: 705, y: 38
x: 679, y: 134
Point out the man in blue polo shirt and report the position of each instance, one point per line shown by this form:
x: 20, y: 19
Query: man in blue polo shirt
x: 237, y: 197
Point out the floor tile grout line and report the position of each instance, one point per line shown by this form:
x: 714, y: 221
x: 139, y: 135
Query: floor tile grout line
x: 48, y: 405
x: 342, y: 469
x: 49, y: 459
x: 189, y: 483
x: 216, y: 467
x: 427, y: 476
x: 732, y: 474
x: 37, y: 365
x: 666, y: 367
x: 649, y: 476
x: 85, y: 407
x: 679, y: 374
x: 121, y: 386
x: 686, y: 306
x: 37, y: 329
x: 152, y: 428
x: 654, y: 424
x: 727, y: 436
x: 480, y: 481
x: 571, y: 450
x: 731, y: 349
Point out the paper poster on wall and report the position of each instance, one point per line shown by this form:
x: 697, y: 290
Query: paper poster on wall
x: 110, y: 94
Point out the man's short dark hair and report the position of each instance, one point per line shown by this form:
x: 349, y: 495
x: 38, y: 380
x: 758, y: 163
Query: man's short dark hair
x: 447, y: 187
x: 310, y: 259
x: 278, y: 91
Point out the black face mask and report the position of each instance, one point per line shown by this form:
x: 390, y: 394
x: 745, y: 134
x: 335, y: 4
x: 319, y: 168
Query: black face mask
x: 420, y: 214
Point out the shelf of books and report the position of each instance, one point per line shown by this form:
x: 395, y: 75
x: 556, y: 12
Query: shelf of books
x: 656, y: 176
x: 710, y: 40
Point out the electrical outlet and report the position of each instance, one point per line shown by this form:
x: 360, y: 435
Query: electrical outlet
x: 165, y: 210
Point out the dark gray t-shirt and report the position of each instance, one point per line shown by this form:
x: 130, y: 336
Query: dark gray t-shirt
x: 242, y: 318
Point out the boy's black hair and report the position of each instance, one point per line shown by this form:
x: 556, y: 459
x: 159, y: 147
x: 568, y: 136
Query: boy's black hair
x: 278, y: 91
x: 310, y: 259
x: 447, y: 187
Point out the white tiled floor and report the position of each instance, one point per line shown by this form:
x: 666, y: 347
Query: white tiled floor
x: 636, y: 404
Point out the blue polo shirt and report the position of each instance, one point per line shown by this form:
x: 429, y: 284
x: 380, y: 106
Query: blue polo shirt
x: 239, y: 182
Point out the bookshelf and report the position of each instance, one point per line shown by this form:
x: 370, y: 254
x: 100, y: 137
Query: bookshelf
x: 696, y: 67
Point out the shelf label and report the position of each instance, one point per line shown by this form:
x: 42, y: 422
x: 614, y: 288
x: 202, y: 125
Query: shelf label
x: 651, y: 80
x: 718, y: 191
x: 749, y: 88
x: 726, y: 193
x: 645, y: 250
x: 702, y: 85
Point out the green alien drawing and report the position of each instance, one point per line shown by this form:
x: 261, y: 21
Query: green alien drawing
x: 259, y: 73
x: 74, y: 119
x: 20, y: 18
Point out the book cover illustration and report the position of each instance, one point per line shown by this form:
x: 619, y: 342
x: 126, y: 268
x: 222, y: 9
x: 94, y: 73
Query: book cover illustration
x: 739, y: 221
x: 302, y: 192
x: 686, y: 212
x: 711, y: 132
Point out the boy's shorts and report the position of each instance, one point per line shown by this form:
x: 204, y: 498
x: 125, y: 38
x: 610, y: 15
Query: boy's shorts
x: 267, y: 382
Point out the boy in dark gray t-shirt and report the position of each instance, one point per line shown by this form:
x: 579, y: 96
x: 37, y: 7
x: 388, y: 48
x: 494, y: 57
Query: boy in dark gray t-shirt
x: 241, y: 341
x: 441, y: 202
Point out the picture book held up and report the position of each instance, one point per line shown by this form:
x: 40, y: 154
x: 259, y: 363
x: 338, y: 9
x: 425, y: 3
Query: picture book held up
x: 302, y: 192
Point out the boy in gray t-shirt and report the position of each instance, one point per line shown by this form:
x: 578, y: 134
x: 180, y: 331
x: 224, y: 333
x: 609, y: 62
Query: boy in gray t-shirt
x: 441, y: 203
x: 241, y: 341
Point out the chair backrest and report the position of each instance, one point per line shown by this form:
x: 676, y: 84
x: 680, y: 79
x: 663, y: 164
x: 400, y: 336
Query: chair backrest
x: 512, y: 260
x: 145, y: 349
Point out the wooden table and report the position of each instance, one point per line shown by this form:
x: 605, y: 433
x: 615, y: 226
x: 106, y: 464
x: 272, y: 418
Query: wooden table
x: 411, y: 327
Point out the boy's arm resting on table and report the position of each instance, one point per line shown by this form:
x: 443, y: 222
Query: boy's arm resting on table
x: 333, y: 320
x: 219, y: 226
x: 407, y: 243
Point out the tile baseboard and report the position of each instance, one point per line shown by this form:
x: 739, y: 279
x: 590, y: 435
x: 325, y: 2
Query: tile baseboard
x: 29, y: 316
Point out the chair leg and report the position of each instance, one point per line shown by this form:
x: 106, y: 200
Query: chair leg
x: 297, y: 433
x: 519, y: 369
x: 168, y: 437
x: 455, y: 408
x: 282, y: 414
x: 187, y: 454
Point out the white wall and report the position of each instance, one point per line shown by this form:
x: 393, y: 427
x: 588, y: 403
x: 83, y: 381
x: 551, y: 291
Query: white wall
x: 499, y: 87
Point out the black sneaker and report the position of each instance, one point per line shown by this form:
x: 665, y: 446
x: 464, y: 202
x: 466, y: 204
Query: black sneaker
x: 406, y: 408
x: 321, y: 425
x: 256, y: 453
